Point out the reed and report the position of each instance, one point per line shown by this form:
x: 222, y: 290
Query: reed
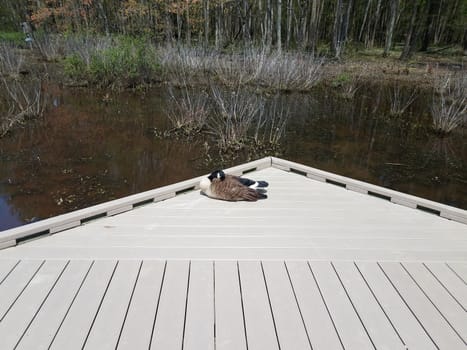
x: 25, y: 100
x: 449, y: 107
x: 233, y: 114
x: 400, y: 100
x: 11, y: 61
x: 187, y: 110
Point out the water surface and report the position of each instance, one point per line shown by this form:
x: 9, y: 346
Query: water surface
x: 92, y: 147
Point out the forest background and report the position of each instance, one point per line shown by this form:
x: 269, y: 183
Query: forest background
x: 329, y: 27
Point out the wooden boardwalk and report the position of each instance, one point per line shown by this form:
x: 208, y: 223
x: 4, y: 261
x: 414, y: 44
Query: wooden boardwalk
x: 315, y: 266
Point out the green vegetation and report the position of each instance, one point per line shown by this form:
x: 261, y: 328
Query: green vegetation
x: 129, y: 62
x: 12, y: 37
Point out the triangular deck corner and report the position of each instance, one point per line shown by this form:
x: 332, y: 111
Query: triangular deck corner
x: 325, y: 262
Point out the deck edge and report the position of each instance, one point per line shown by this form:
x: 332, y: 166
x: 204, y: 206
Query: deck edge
x: 56, y: 224
x: 396, y: 197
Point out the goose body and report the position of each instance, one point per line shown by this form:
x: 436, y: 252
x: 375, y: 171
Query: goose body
x: 232, y: 188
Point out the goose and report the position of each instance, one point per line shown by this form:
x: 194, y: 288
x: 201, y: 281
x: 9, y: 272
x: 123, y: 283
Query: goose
x: 219, y: 185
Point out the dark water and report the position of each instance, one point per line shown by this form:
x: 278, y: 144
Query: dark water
x: 90, y: 148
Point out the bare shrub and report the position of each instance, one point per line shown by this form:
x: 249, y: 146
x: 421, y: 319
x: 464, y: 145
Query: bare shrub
x: 271, y: 125
x: 286, y: 71
x: 25, y: 100
x: 232, y: 117
x: 276, y: 71
x: 239, y: 69
x: 449, y: 108
x: 187, y: 110
x: 11, y: 61
x: 86, y: 46
x: 181, y: 63
x: 349, y: 88
x: 401, y: 100
x: 50, y: 46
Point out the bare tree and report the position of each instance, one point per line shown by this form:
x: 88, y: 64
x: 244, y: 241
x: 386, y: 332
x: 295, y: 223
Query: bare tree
x: 390, y: 29
x: 410, y: 38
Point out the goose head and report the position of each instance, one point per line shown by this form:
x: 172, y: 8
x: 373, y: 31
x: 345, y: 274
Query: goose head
x: 205, y: 183
x: 217, y: 174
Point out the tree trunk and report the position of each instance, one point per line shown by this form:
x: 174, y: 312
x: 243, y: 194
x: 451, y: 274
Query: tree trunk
x: 206, y: 22
x: 390, y: 29
x: 411, y: 35
x: 279, y: 25
x: 371, y: 41
x: 428, y: 28
x: 188, y: 26
x: 289, y: 24
x: 464, y: 41
x: 314, y: 25
x: 340, y: 29
x: 336, y: 37
x: 367, y: 9
x: 219, y: 35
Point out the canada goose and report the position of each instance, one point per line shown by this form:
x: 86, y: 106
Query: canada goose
x: 232, y: 188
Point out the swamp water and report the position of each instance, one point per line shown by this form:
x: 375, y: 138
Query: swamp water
x: 91, y: 147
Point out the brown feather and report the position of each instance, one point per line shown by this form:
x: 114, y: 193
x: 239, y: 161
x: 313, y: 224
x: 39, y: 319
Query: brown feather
x: 232, y: 190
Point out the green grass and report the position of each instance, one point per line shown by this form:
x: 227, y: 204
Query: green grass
x: 129, y: 62
x: 14, y: 37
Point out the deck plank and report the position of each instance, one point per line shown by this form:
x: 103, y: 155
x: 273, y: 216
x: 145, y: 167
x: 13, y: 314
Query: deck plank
x: 137, y: 330
x: 256, y: 241
x: 229, y: 321
x: 16, y: 282
x: 318, y: 322
x: 453, y: 285
x: 448, y: 308
x: 460, y: 269
x: 291, y: 330
x: 199, y: 327
x: 376, y: 323
x: 108, y: 323
x: 40, y: 333
x: 6, y: 267
x: 440, y: 331
x: 170, y: 317
x: 75, y: 327
x: 348, y: 325
x: 238, y: 253
x: 17, y: 320
x: 408, y: 327
x: 259, y: 322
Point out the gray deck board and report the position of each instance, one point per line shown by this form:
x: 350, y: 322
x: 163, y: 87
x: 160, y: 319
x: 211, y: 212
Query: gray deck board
x: 347, y: 322
x: 460, y: 270
x: 315, y: 266
x: 106, y: 327
x: 199, y: 322
x: 73, y: 331
x: 444, y: 303
x: 170, y: 317
x: 450, y: 282
x: 408, y: 327
x: 376, y: 322
x: 40, y: 333
x: 443, y: 335
x: 259, y: 322
x: 229, y: 319
x: 6, y: 267
x: 137, y: 329
x: 22, y: 313
x: 291, y: 330
x: 16, y: 282
x: 321, y: 330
